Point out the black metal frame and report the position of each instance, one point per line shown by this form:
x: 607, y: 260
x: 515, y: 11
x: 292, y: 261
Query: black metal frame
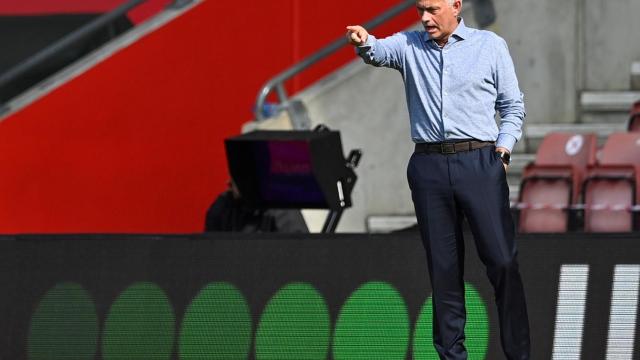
x: 334, y: 216
x: 68, y: 41
x: 331, y: 223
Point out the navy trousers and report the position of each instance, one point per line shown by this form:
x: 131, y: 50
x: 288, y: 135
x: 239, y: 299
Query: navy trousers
x: 446, y: 188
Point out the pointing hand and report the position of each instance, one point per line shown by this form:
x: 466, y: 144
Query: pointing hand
x: 357, y: 35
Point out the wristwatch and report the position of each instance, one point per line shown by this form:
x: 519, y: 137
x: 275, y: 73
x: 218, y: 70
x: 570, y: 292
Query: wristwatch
x: 504, y: 156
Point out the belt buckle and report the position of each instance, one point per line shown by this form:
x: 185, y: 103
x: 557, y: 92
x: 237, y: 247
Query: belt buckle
x: 448, y: 148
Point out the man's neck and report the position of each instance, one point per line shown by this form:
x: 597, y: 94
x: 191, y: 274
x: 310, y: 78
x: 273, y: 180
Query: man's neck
x: 445, y: 39
x: 442, y: 42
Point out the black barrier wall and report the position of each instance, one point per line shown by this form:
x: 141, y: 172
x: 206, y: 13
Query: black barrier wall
x: 293, y: 297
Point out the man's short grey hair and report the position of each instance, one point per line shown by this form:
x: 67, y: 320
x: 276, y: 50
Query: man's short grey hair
x: 450, y: 2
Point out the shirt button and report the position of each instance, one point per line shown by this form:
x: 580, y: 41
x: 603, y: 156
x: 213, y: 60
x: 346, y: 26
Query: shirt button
x: 446, y: 93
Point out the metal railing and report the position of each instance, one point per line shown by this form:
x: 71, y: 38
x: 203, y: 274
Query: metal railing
x: 68, y: 41
x: 278, y: 81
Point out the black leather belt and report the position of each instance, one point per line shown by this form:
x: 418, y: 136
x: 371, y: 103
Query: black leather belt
x: 452, y: 147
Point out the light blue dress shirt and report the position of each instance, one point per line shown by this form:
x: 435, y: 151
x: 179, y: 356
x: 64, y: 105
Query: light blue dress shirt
x: 454, y: 92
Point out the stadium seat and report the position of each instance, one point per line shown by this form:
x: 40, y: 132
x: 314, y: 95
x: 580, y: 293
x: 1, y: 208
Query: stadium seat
x: 634, y: 118
x: 611, y: 187
x: 551, y: 185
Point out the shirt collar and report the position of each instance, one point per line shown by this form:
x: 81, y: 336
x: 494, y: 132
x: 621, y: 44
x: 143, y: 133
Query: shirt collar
x: 461, y: 32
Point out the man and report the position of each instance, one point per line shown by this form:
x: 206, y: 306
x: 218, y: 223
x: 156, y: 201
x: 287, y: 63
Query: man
x: 231, y: 212
x: 455, y: 79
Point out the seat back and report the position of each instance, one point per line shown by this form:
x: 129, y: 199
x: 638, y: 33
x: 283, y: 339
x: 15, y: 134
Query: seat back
x: 569, y: 149
x: 545, y: 205
x: 621, y: 149
x: 608, y: 203
x: 552, y: 183
x: 577, y: 151
x: 562, y: 148
x: 612, y: 187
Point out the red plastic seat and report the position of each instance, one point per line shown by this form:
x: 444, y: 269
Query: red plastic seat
x: 611, y: 187
x: 544, y: 206
x: 552, y: 183
x: 634, y: 118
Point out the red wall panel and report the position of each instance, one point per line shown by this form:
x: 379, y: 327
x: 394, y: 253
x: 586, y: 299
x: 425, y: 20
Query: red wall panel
x: 320, y: 23
x: 136, y: 143
x: 51, y: 7
x: 40, y: 7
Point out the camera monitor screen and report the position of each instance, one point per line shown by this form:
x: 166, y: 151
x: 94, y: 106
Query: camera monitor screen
x: 294, y: 169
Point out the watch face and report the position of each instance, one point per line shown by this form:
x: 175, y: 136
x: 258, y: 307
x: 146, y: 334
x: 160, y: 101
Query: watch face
x: 505, y: 157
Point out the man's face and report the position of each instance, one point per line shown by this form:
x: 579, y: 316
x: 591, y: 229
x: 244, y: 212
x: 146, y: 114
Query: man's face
x: 438, y: 17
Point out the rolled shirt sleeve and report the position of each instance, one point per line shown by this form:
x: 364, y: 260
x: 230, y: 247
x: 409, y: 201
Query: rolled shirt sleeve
x: 509, y: 99
x: 388, y: 52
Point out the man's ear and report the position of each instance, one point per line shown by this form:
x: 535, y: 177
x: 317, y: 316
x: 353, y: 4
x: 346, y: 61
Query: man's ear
x: 457, y: 7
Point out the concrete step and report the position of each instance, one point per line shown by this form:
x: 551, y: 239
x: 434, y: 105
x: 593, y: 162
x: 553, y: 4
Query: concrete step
x: 617, y: 118
x: 519, y: 161
x: 534, y: 133
x: 607, y: 107
x: 608, y: 101
x: 389, y: 223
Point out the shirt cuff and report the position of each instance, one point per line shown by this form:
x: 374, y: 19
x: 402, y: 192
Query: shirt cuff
x: 362, y: 49
x: 506, y: 141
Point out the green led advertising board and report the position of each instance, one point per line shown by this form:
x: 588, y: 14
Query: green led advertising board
x: 291, y: 297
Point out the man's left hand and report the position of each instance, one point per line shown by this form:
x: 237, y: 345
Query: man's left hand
x: 502, y: 149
